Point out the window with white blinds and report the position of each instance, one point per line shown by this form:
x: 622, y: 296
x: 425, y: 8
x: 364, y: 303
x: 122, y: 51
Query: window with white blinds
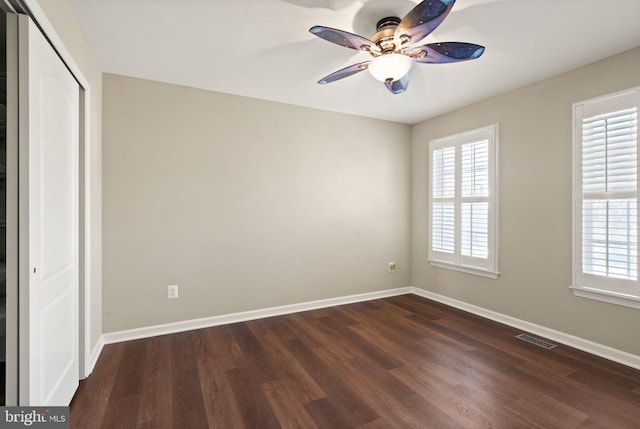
x: 606, y: 204
x: 462, y: 201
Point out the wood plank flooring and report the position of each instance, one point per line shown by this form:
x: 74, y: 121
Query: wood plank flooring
x: 400, y: 362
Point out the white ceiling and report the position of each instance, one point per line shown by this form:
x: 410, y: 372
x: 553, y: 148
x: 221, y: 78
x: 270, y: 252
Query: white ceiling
x: 263, y: 49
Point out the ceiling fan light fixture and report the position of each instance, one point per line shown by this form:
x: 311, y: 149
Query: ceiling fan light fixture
x: 390, y: 67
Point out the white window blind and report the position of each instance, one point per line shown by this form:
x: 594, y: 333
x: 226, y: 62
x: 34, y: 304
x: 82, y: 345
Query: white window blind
x: 474, y: 239
x: 462, y: 201
x: 609, y: 185
x: 475, y: 230
x: 606, y: 207
x: 443, y: 210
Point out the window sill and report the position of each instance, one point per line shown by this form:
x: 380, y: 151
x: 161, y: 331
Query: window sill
x: 605, y: 296
x: 465, y: 269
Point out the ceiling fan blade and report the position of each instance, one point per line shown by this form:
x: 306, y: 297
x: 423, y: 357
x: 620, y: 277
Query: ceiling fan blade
x: 398, y: 86
x: 343, y: 38
x: 422, y: 20
x: 446, y: 52
x: 345, y: 72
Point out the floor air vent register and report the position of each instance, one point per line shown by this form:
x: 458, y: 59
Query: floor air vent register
x: 537, y: 341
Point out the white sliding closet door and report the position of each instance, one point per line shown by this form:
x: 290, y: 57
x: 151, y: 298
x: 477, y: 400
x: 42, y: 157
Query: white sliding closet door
x: 48, y: 206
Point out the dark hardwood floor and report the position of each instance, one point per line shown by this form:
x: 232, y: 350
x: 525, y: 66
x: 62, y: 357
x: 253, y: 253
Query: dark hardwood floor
x: 401, y: 362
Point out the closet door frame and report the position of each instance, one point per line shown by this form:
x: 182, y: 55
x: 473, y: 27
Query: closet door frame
x: 11, y: 378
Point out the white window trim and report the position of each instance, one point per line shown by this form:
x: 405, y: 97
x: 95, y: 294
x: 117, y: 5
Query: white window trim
x: 581, y: 290
x: 458, y: 262
x: 465, y: 269
x: 606, y: 296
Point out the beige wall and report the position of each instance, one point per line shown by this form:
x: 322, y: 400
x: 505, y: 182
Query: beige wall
x: 245, y: 204
x: 534, y: 209
x: 61, y: 16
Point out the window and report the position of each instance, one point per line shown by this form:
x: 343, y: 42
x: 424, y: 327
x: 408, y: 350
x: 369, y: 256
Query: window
x: 605, y: 223
x: 463, y: 201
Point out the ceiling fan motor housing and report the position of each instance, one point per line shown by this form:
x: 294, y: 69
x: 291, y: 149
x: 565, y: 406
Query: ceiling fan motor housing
x: 386, y: 28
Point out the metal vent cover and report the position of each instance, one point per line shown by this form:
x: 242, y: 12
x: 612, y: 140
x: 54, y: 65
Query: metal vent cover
x: 537, y: 341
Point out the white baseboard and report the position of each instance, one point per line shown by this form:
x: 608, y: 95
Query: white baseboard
x: 588, y: 346
x: 206, y: 322
x: 95, y: 354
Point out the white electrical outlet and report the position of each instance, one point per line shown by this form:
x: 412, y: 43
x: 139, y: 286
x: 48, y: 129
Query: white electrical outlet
x: 392, y: 267
x: 172, y: 291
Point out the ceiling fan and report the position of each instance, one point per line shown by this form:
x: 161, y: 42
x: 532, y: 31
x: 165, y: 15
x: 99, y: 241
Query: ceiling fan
x: 394, y: 49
